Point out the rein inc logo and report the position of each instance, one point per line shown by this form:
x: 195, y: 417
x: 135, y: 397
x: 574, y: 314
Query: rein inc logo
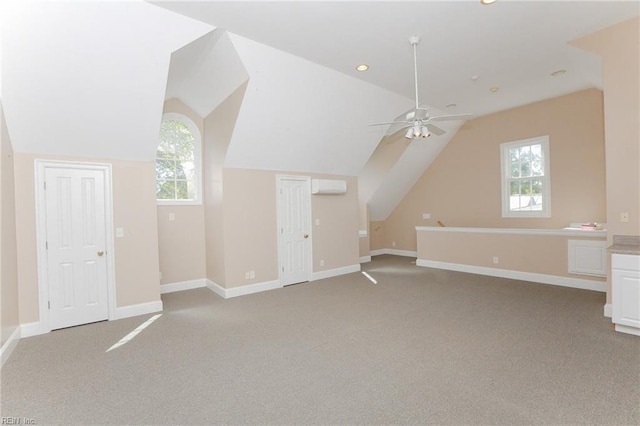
x: 17, y: 421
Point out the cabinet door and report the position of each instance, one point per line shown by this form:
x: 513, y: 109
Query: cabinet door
x: 626, y: 297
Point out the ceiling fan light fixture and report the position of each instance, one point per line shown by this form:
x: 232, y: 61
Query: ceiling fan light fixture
x: 362, y: 67
x: 425, y: 132
x: 409, y: 134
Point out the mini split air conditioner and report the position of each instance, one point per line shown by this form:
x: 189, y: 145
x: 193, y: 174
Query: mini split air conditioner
x: 328, y: 186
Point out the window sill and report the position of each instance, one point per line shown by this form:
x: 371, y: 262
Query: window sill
x: 178, y: 202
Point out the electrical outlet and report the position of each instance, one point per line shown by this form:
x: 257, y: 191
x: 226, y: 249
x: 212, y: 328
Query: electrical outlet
x: 624, y: 217
x: 252, y: 274
x: 321, y: 262
x: 172, y: 216
x: 426, y: 215
x: 495, y: 259
x: 247, y: 275
x: 393, y: 243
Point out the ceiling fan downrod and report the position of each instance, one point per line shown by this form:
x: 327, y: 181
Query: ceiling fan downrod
x: 414, y: 40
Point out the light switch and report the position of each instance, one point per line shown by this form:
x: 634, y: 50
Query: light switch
x: 624, y: 217
x: 426, y: 215
x: 172, y: 216
x: 119, y: 232
x: 317, y: 222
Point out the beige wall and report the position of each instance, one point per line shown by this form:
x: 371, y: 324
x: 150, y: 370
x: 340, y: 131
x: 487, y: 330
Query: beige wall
x: 218, y: 129
x: 182, y: 240
x: 8, y: 252
x: 134, y: 210
x: 462, y: 186
x: 181, y: 243
x: 377, y: 235
x: 619, y: 47
x: 250, y: 226
x: 541, y: 254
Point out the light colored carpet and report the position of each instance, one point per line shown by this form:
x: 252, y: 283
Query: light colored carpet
x: 422, y: 346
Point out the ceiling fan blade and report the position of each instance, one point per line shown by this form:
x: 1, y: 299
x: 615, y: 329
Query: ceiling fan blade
x: 435, y: 129
x: 451, y: 117
x: 393, y: 122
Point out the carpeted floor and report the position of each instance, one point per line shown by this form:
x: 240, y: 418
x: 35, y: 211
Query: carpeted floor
x: 421, y: 346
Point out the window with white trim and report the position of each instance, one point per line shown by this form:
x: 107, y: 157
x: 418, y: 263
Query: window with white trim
x: 526, y: 188
x: 178, y: 161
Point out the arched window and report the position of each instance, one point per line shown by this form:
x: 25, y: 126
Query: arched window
x: 178, y: 161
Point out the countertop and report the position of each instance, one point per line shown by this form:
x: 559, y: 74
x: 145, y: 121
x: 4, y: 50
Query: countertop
x: 625, y: 244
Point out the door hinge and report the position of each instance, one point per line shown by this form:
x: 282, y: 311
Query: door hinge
x: 282, y: 230
x: 46, y: 245
x: 49, y: 304
x: 45, y: 186
x: 283, y: 269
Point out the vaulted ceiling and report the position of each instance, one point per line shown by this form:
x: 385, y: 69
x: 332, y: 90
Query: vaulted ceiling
x: 89, y: 78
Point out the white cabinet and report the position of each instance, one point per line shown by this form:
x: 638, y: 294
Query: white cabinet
x: 625, y: 293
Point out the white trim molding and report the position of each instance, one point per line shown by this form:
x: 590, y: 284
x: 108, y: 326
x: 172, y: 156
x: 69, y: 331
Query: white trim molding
x: 9, y: 346
x: 329, y: 273
x: 608, y: 310
x: 183, y: 285
x: 517, y: 275
x: 227, y: 293
x: 519, y: 231
x: 32, y: 329
x: 626, y: 329
x: 139, y: 309
x: 365, y: 259
x: 395, y: 252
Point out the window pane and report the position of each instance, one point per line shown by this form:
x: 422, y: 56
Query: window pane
x: 514, y: 188
x: 165, y: 190
x: 536, y: 187
x: 165, y: 169
x: 186, y: 170
x: 182, y: 192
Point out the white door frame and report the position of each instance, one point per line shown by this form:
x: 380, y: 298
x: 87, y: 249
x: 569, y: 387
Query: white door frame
x: 307, y: 179
x: 40, y: 167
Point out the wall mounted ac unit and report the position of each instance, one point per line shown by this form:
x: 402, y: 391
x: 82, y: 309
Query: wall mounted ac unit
x: 328, y: 186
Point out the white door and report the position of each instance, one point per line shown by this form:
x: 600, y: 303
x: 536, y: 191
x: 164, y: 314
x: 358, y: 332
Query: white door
x: 294, y: 208
x: 76, y: 229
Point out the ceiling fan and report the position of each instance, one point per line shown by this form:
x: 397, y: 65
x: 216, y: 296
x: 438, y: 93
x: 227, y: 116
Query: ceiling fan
x: 417, y: 120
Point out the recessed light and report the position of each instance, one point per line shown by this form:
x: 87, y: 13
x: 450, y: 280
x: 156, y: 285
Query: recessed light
x: 557, y: 73
x: 451, y: 106
x: 362, y: 67
x: 487, y: 2
x: 494, y: 89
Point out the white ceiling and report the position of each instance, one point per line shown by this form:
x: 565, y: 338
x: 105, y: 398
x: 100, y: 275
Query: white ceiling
x: 511, y: 44
x: 87, y: 79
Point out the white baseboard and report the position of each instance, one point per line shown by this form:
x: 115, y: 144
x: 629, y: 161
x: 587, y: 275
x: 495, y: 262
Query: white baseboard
x: 183, y: 285
x: 626, y: 329
x: 31, y: 329
x: 320, y: 275
x: 139, y: 309
x: 228, y: 293
x: 607, y: 310
x: 365, y: 259
x: 9, y: 346
x: 517, y: 275
x: 395, y: 252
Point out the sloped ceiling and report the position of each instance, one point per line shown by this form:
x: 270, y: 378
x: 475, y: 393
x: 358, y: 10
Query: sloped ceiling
x: 205, y: 72
x: 88, y: 79
x: 300, y: 116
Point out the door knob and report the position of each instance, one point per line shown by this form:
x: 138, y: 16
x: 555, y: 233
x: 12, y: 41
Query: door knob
x: 100, y: 252
x: 306, y: 235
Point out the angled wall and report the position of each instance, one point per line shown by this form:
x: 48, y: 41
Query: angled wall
x: 8, y: 251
